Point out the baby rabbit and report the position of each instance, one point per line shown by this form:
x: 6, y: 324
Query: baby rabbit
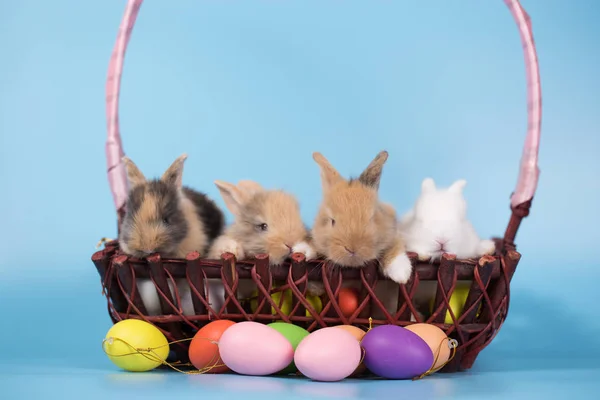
x: 353, y: 227
x: 266, y: 221
x: 438, y: 224
x: 163, y: 216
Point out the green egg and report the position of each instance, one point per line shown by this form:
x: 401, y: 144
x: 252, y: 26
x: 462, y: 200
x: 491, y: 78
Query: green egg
x: 294, y: 334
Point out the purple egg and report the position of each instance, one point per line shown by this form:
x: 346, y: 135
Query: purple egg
x: 394, y: 352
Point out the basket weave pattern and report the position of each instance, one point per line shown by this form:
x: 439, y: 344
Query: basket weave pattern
x: 490, y: 276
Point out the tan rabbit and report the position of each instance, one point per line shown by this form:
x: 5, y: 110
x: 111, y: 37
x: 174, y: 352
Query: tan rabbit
x: 266, y: 221
x: 353, y: 226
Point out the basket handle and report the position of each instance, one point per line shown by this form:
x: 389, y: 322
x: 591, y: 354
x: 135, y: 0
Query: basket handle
x: 528, y: 174
x: 117, y: 177
x: 529, y: 171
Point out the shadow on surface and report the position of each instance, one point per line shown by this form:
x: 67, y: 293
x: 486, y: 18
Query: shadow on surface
x: 541, y: 333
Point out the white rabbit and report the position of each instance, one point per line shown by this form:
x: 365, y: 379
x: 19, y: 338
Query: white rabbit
x: 438, y: 224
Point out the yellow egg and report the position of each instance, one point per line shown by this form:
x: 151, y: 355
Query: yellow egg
x: 457, y: 301
x: 286, y: 304
x: 316, y: 303
x: 135, y: 345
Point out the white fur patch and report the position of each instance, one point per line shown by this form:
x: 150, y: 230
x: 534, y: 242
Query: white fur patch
x: 228, y: 245
x: 424, y: 256
x: 487, y: 247
x: 306, y: 249
x: 400, y: 269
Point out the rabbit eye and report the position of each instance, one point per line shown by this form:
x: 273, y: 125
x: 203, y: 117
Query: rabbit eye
x: 166, y: 221
x: 262, y: 227
x: 332, y: 222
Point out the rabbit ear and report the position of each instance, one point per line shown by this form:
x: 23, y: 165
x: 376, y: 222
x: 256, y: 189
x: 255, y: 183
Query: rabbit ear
x: 134, y: 175
x: 174, y: 174
x: 371, y: 176
x: 329, y: 175
x: 458, y: 186
x: 249, y: 187
x: 428, y: 185
x: 233, y: 197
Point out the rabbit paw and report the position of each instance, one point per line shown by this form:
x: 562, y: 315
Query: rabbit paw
x: 228, y: 245
x: 487, y: 247
x: 306, y: 249
x: 399, y: 269
x: 423, y: 257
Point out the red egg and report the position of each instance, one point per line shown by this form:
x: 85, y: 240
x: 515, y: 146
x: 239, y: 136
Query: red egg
x: 204, y: 351
x: 348, y: 301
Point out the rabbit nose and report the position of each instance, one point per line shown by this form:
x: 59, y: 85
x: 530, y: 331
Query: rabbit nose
x: 289, y: 247
x: 349, y: 251
x: 441, y: 242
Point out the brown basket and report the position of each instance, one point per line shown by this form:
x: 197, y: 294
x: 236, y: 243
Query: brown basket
x: 490, y: 276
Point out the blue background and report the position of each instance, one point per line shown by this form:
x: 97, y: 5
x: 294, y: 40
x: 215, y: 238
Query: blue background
x: 250, y: 90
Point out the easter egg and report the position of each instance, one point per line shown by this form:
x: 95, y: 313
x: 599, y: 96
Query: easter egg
x: 286, y: 304
x: 457, y: 301
x: 394, y: 352
x: 135, y: 345
x: 358, y: 335
x: 436, y: 339
x: 294, y: 334
x: 348, y: 301
x: 251, y: 348
x: 353, y: 330
x: 329, y: 355
x: 316, y: 303
x: 204, y: 349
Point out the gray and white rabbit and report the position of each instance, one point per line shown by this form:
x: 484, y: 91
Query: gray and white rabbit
x: 164, y: 216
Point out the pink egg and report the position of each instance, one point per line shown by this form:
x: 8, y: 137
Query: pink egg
x: 250, y: 348
x: 328, y: 355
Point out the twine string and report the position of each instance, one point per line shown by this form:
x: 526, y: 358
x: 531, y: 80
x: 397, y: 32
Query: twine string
x: 452, y: 344
x: 363, y: 353
x: 150, y: 354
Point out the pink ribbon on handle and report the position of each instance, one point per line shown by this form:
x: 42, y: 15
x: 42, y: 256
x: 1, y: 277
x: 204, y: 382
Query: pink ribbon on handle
x: 117, y: 177
x: 528, y: 173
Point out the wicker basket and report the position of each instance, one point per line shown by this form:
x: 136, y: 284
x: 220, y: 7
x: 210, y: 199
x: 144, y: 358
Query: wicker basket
x: 490, y: 276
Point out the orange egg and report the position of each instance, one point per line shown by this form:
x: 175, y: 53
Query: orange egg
x: 348, y: 301
x: 358, y: 334
x: 436, y: 339
x: 203, y: 352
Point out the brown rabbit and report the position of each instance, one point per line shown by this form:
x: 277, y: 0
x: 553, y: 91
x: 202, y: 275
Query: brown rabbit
x: 165, y: 217
x: 266, y: 221
x: 353, y: 226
